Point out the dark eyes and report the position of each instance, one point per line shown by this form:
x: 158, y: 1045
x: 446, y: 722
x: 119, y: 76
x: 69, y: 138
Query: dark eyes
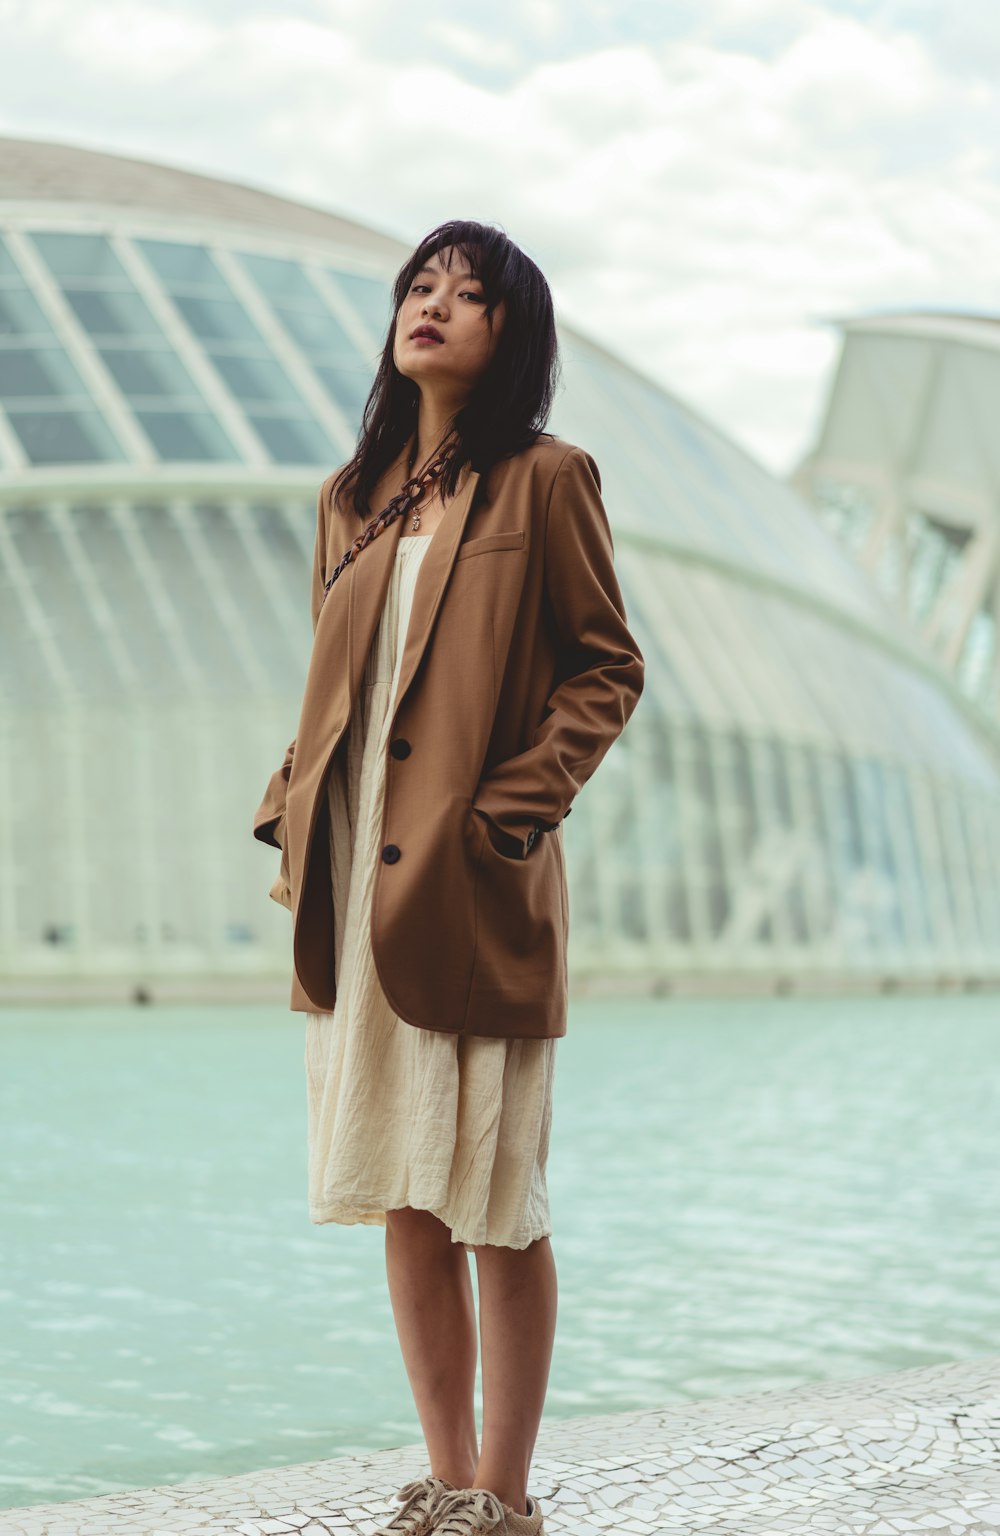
x: 472, y: 294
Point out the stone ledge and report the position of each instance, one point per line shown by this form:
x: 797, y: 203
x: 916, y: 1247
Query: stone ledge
x: 888, y: 1455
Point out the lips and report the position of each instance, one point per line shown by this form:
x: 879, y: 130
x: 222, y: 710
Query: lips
x: 426, y: 333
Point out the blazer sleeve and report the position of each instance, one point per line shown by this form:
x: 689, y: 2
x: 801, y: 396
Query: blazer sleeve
x: 603, y: 668
x: 269, y: 817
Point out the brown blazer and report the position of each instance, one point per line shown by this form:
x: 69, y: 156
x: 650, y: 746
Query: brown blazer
x: 519, y: 671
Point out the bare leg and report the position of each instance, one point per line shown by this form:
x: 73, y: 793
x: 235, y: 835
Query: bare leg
x: 432, y: 1302
x: 517, y: 1315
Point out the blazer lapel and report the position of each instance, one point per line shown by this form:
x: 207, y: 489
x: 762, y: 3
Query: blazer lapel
x: 371, y: 571
x: 432, y: 578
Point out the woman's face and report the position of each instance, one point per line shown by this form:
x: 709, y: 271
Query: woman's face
x: 454, y: 305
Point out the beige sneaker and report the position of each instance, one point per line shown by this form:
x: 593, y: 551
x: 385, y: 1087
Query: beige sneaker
x: 421, y: 1500
x: 469, y: 1511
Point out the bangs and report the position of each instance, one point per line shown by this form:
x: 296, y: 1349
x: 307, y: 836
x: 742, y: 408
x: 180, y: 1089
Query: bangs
x: 487, y: 262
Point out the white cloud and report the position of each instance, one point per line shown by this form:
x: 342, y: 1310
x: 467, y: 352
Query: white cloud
x: 698, y: 199
x: 482, y: 48
x: 144, y: 43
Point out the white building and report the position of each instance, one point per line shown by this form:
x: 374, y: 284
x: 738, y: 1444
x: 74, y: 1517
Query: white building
x: 906, y: 469
x: 802, y: 795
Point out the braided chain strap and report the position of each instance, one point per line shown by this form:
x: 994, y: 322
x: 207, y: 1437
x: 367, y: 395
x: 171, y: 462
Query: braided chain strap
x: 412, y: 492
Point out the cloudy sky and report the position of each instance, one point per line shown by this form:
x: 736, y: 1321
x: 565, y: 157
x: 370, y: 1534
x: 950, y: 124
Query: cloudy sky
x: 707, y: 184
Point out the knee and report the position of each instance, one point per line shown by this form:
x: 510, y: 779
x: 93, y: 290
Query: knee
x: 417, y: 1226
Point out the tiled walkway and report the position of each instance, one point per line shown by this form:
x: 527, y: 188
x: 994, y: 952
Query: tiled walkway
x: 913, y: 1452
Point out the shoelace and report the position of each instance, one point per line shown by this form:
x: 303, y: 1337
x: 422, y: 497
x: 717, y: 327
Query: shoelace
x: 419, y: 1498
x: 468, y: 1511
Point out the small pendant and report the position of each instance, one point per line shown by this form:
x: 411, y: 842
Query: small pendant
x: 416, y: 522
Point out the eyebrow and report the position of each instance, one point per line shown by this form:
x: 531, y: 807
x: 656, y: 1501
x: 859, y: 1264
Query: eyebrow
x: 464, y: 276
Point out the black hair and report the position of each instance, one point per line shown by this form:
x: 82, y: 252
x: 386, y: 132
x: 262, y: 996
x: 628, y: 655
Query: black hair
x: 511, y: 400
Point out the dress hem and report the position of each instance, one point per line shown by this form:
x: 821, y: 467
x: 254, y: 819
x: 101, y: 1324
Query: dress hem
x: 347, y: 1215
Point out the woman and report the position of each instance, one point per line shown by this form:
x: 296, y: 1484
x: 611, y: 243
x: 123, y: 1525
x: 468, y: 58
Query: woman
x: 471, y: 666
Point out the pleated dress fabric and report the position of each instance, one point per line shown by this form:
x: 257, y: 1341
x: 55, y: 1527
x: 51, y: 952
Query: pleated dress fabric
x: 400, y: 1115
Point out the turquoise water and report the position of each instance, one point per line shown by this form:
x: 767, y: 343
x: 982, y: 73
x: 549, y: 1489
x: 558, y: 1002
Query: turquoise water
x: 744, y: 1195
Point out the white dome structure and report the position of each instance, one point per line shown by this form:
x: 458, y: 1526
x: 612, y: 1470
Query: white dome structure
x: 802, y: 797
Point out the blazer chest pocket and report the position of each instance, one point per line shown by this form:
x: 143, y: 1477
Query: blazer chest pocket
x: 512, y: 538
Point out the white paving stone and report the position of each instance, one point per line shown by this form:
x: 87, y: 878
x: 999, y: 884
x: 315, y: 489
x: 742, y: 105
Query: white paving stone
x: 913, y: 1452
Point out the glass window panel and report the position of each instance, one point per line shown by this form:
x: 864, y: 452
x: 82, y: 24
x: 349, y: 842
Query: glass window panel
x: 701, y: 809
x: 8, y: 266
x: 218, y: 319
x: 640, y: 575
x: 183, y: 266
x: 908, y: 856
x: 279, y: 278
x: 232, y: 558
x: 304, y: 314
x: 180, y: 435
x: 21, y: 315
x: 793, y: 679
x: 740, y: 651
x: 189, y: 589
x: 884, y: 909
x: 320, y: 334
x: 676, y: 896
x: 258, y: 380
x: 42, y: 371
x: 111, y: 556
x: 108, y: 306
x: 371, y: 298
x: 654, y: 499
x: 740, y: 807
x: 806, y: 892
x: 843, y: 839
x: 79, y: 638
x: 933, y: 857
x: 821, y: 871
x: 782, y: 794
x: 26, y: 674
x: 686, y: 634
x: 295, y: 442
x: 791, y: 695
x: 142, y: 373
x: 285, y: 553
x: 981, y: 815
x: 846, y: 801
x: 955, y: 858
x: 687, y: 487
x: 349, y: 390
x: 976, y: 666
x: 70, y: 255
x: 121, y: 313
x: 757, y: 876
x: 765, y: 797
x: 65, y: 437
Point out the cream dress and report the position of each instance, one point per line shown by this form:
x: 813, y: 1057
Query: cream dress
x: 397, y: 1114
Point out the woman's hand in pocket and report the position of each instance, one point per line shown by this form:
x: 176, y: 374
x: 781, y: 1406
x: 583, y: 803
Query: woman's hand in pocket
x: 504, y: 843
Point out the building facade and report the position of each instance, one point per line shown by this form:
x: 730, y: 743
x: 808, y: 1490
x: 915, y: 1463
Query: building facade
x: 803, y: 797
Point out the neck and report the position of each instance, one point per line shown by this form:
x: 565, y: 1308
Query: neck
x: 434, y: 421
